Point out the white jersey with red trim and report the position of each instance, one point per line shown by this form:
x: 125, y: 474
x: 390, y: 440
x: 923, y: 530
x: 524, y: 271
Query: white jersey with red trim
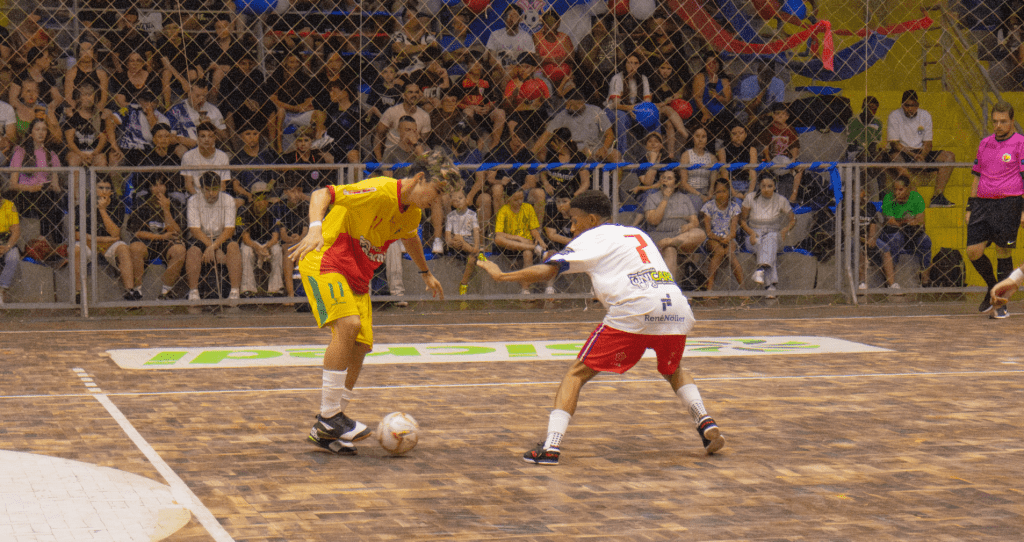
x: 630, y: 279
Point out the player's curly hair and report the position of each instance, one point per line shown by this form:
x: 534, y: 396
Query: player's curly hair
x: 438, y: 167
x: 593, y: 202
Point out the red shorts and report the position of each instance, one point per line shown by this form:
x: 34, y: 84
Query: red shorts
x: 616, y: 351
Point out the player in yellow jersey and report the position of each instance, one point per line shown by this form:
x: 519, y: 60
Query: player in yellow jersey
x: 350, y: 229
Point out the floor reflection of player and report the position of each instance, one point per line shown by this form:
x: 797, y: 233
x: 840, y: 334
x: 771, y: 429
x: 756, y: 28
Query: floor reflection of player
x: 646, y: 309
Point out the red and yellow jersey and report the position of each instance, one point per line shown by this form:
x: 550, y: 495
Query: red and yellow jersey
x: 362, y: 221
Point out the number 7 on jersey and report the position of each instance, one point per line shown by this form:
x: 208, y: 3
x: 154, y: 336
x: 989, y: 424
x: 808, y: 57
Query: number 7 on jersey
x: 642, y: 244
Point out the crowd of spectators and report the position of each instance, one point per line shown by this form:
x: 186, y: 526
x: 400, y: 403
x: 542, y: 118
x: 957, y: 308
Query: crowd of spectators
x: 149, y: 84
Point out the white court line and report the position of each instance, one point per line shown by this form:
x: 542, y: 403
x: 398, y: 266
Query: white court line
x: 179, y: 489
x: 312, y: 327
x: 533, y: 383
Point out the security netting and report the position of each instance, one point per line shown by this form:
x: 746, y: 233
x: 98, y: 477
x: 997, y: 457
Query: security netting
x: 764, y: 145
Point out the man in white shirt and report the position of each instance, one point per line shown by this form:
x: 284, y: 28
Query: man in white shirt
x: 211, y: 225
x: 187, y: 115
x: 205, y: 157
x: 509, y: 43
x: 387, y: 133
x: 646, y: 309
x: 909, y: 132
x: 592, y: 131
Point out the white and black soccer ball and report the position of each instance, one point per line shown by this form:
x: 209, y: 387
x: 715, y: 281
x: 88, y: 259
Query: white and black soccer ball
x: 398, y: 433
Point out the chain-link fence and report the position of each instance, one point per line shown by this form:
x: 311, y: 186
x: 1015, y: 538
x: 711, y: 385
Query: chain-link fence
x: 640, y: 94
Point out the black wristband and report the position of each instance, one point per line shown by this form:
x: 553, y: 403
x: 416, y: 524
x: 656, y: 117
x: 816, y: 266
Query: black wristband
x: 424, y: 272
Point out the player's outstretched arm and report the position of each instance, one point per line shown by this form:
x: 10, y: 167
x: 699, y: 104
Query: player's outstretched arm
x: 1002, y: 291
x: 534, y: 273
x: 319, y: 201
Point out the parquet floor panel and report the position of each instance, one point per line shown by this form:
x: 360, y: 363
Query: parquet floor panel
x: 920, y: 443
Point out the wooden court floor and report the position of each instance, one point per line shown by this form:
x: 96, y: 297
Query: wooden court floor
x: 920, y: 443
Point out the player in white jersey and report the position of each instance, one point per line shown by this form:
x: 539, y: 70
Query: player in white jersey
x: 646, y: 309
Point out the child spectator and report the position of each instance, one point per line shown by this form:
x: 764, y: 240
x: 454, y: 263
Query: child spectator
x: 511, y: 151
x: 903, y: 231
x: 462, y: 235
x: 517, y: 231
x: 156, y: 226
x: 10, y: 234
x: 721, y: 221
x: 557, y: 229
x: 698, y: 181
x: 260, y: 243
x: 783, y: 149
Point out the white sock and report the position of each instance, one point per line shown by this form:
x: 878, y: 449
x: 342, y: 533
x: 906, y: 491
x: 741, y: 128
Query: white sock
x: 691, y: 399
x: 334, y: 397
x: 558, y: 423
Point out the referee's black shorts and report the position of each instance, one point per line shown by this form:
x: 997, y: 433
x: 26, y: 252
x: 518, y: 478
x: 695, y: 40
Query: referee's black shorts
x: 995, y: 221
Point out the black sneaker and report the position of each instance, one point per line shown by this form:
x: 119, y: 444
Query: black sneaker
x: 337, y: 433
x: 540, y: 456
x: 939, y: 200
x: 169, y: 295
x: 1000, y: 313
x: 132, y: 295
x: 710, y: 435
x: 986, y: 302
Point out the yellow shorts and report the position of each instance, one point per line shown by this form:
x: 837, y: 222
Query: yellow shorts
x: 331, y: 298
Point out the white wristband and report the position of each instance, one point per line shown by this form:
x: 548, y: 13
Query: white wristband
x: 317, y: 223
x: 1017, y: 277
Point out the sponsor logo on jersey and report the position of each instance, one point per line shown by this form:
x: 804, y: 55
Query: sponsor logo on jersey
x: 650, y: 278
x: 1007, y: 157
x: 356, y: 192
x: 374, y: 254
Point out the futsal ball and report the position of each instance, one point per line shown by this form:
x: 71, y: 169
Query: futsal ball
x: 398, y: 433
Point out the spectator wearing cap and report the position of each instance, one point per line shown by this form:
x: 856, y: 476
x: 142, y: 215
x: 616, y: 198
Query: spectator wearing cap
x: 508, y: 44
x: 187, y: 115
x: 387, y: 131
x: 244, y: 98
x: 260, y: 243
x: 130, y: 130
x: 133, y: 80
x: 909, y: 132
x: 591, y: 129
